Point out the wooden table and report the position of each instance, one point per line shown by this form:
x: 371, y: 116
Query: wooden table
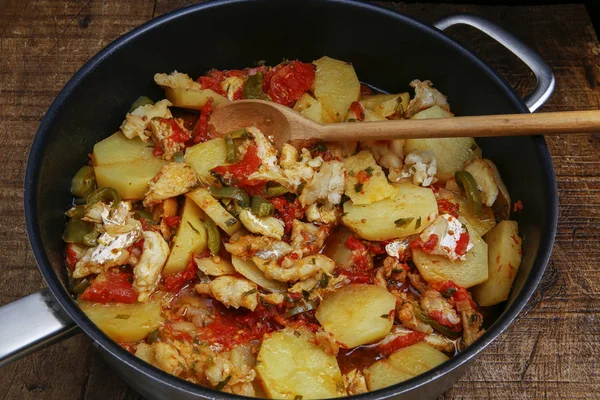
x: 553, y: 349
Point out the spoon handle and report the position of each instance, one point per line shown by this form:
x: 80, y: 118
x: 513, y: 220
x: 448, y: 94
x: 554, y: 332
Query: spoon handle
x: 477, y: 126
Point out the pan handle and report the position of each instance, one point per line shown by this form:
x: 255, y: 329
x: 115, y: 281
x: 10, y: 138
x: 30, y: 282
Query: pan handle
x: 543, y: 74
x: 31, y: 323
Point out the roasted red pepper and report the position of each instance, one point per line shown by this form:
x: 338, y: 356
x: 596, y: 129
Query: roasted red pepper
x: 447, y: 207
x: 241, y: 171
x: 290, y: 81
x: 288, y: 211
x: 400, y: 342
x: 357, y: 110
x: 462, y: 244
x: 173, y: 221
x: 111, y: 286
x: 201, y: 128
x: 175, y: 282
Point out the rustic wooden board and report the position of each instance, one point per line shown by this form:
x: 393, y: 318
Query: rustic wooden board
x: 553, y: 350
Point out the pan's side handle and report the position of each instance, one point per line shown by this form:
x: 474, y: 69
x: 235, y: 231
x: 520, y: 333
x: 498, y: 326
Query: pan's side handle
x: 543, y: 73
x: 30, y: 324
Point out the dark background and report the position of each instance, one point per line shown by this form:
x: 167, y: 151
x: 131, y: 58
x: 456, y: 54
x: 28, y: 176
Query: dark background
x: 593, y: 6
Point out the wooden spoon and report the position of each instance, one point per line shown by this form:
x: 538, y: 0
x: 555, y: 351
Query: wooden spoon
x: 283, y: 124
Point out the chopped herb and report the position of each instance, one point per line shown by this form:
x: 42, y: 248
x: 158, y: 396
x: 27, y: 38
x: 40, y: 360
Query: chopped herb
x: 152, y: 337
x: 223, y: 383
x: 358, y: 187
x: 345, y: 198
x: 413, y: 169
x: 305, y: 294
x: 473, y: 147
x: 298, y: 397
x: 231, y: 222
x: 400, y: 222
x: 324, y: 281
x: 473, y: 319
x: 313, y: 261
x: 122, y: 316
x: 352, y: 173
x: 418, y: 223
x: 249, y: 292
x: 351, y: 120
x: 385, y: 316
x: 181, y: 365
x: 193, y: 228
x: 369, y: 170
x: 396, y: 270
x: 297, y: 334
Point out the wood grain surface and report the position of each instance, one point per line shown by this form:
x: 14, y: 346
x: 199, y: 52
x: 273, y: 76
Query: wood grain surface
x: 551, y: 352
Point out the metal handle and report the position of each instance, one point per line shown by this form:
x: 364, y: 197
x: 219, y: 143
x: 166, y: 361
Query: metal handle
x: 543, y: 73
x: 30, y: 324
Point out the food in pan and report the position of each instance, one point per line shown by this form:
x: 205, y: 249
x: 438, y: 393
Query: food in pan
x: 302, y: 272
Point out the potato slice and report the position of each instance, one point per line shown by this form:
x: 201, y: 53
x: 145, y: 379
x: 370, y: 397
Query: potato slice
x: 382, y: 220
x: 450, y: 153
x: 124, y: 323
x: 402, y: 365
x: 335, y: 248
x: 357, y: 314
x: 375, y: 188
x: 385, y: 105
x: 251, y: 272
x: 504, y: 255
x: 289, y: 365
x: 205, y: 156
x: 336, y: 87
x: 193, y: 99
x: 130, y: 179
x: 213, y: 208
x: 309, y: 107
x: 469, y: 272
x: 215, y: 266
x: 189, y: 239
x: 117, y: 149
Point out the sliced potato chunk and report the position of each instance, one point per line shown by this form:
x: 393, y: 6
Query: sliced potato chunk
x: 504, y: 254
x: 289, y: 365
x: 124, y: 323
x: 309, y: 107
x: 357, y: 314
x: 117, y: 149
x: 450, y: 153
x: 130, y: 179
x: 189, y: 239
x: 215, y: 266
x: 193, y: 99
x: 385, y: 105
x: 362, y: 167
x: 408, y: 211
x: 403, y: 365
x: 471, y: 271
x: 336, y: 87
x: 126, y: 165
x: 213, y: 208
x: 251, y: 272
x: 205, y: 156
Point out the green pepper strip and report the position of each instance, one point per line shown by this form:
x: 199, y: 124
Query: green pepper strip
x: 275, y: 191
x: 84, y: 182
x: 466, y: 182
x: 91, y: 239
x: 143, y: 214
x: 422, y: 316
x: 310, y: 305
x: 213, y: 236
x: 261, y: 207
x: 253, y: 87
x: 78, y: 286
x: 152, y: 337
x: 141, y: 101
x: 76, y: 212
x: 238, y: 134
x: 230, y: 151
x: 230, y: 193
x: 105, y: 194
x: 76, y: 230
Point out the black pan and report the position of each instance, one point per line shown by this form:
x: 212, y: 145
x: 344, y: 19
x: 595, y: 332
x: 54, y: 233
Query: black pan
x: 387, y: 49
